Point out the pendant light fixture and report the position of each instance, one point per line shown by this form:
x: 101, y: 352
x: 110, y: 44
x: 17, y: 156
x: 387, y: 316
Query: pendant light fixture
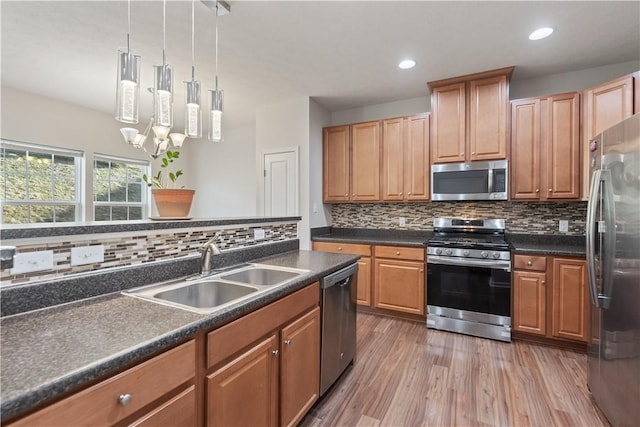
x: 128, y: 80
x: 163, y: 87
x: 217, y: 98
x: 193, y: 113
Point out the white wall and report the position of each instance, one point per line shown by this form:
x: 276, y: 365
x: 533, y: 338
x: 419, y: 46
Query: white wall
x: 27, y: 117
x: 283, y: 125
x: 223, y: 174
x: 319, y: 213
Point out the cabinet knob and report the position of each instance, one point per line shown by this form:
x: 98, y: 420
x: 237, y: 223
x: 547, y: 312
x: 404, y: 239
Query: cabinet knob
x: 339, y: 248
x: 461, y: 154
x: 400, y: 194
x: 529, y: 262
x: 473, y: 153
x: 543, y: 282
x: 409, y: 193
x: 124, y: 399
x: 287, y: 342
x: 537, y: 190
x: 550, y: 190
x: 397, y: 252
x: 421, y: 271
x: 276, y: 352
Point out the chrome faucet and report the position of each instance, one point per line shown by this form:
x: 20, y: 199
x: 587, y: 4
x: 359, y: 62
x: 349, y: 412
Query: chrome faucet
x: 208, y: 250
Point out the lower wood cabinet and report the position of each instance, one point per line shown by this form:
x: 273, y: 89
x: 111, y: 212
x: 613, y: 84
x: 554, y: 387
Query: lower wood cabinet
x: 399, y: 286
x: 550, y: 297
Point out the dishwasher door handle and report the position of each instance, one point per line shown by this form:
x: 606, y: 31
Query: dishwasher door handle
x: 344, y: 282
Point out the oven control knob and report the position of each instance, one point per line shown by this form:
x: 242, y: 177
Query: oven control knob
x: 484, y: 254
x: 496, y: 255
x: 438, y: 251
x: 448, y: 251
x: 465, y: 252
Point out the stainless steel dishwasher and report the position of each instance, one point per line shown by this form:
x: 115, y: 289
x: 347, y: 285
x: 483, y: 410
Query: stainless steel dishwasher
x: 338, y: 324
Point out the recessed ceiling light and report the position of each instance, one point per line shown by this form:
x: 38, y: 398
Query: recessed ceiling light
x: 541, y: 33
x: 407, y: 63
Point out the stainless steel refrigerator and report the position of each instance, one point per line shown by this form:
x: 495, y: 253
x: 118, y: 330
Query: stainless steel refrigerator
x: 613, y: 262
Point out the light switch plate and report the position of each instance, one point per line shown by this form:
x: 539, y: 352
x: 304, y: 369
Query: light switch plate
x: 564, y: 225
x: 402, y: 221
x: 29, y: 262
x: 258, y: 234
x: 87, y: 255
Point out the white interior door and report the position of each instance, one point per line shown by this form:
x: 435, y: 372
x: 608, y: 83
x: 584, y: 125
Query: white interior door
x: 281, y: 183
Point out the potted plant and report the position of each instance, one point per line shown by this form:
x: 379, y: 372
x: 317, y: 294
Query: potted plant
x: 171, y: 201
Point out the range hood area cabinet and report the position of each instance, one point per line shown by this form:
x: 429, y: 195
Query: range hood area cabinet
x: 470, y: 117
x: 545, y: 148
x: 351, y: 163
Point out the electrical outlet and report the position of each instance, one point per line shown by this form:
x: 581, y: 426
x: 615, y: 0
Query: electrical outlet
x: 87, y: 255
x: 402, y: 221
x: 258, y: 234
x: 32, y: 261
x: 564, y: 225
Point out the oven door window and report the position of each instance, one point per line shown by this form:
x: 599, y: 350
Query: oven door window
x: 481, y: 290
x: 461, y: 182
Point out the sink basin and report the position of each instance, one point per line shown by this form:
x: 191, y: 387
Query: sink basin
x: 257, y: 275
x: 211, y: 293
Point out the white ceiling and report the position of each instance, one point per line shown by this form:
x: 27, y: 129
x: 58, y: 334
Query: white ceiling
x: 343, y: 54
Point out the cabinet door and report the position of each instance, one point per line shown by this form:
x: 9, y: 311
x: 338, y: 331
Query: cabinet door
x: 177, y: 412
x: 365, y: 161
x: 244, y: 392
x: 449, y: 123
x: 363, y: 293
x: 636, y: 92
x: 562, y: 146
x: 300, y: 368
x: 525, y: 149
x: 335, y: 161
x: 529, y: 302
x: 399, y: 286
x: 570, y: 300
x: 393, y: 137
x: 416, y: 159
x: 488, y: 118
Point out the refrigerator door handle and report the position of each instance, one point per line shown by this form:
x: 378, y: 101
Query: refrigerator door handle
x: 609, y: 246
x: 592, y: 206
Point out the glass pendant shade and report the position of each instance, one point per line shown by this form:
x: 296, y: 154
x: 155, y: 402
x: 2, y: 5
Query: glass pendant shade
x: 217, y: 99
x: 128, y: 87
x: 161, y: 132
x: 193, y: 112
x: 129, y: 134
x: 177, y: 139
x: 163, y: 95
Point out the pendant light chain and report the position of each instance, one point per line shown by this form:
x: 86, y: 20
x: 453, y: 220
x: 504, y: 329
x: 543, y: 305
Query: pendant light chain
x: 128, y: 25
x: 216, y: 44
x: 193, y: 40
x: 164, y: 30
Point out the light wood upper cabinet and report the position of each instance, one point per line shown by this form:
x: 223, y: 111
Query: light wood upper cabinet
x: 336, y: 164
x: 470, y: 117
x: 545, y: 148
x: 570, y: 302
x: 405, y: 158
x: 488, y: 118
x: 604, y: 106
x: 365, y: 161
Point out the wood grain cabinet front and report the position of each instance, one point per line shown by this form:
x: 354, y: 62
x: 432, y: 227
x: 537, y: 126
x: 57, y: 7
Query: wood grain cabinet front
x: 129, y: 394
x: 399, y: 279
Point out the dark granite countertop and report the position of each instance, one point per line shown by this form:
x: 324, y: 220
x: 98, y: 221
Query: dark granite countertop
x: 49, y: 352
x: 375, y: 237
x: 547, y: 244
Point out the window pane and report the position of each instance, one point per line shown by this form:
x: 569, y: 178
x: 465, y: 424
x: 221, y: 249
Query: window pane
x: 64, y: 166
x: 135, y: 213
x: 134, y: 193
x: 13, y: 161
x: 15, y: 214
x: 118, y: 192
x: 65, y: 213
x: 41, y: 214
x: 118, y: 172
x: 101, y: 170
x: 118, y: 213
x: 40, y: 187
x: 64, y: 189
x: 16, y: 188
x: 39, y: 163
x: 102, y: 213
x: 135, y: 173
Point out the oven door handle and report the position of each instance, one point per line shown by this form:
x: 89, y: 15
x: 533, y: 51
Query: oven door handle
x: 496, y: 265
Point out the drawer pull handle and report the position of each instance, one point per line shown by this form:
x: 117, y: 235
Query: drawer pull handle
x: 528, y: 262
x: 124, y: 399
x: 287, y: 342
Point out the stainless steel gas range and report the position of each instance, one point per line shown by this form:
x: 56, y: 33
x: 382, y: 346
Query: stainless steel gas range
x: 469, y: 278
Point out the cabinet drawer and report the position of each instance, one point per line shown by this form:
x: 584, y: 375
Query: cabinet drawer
x: 226, y: 341
x: 528, y: 262
x: 99, y: 405
x: 400, y: 252
x: 344, y: 248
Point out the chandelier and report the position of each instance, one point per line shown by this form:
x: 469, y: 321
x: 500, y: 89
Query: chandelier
x: 161, y: 121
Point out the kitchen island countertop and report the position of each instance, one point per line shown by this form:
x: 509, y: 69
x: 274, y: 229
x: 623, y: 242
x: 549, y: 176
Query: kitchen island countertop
x: 50, y: 352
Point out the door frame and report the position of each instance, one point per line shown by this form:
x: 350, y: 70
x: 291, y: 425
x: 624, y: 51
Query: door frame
x: 262, y: 180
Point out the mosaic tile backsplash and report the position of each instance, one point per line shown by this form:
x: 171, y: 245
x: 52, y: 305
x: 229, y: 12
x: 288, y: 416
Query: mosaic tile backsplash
x: 521, y: 217
x: 137, y: 249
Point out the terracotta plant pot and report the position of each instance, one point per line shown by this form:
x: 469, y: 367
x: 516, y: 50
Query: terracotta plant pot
x: 173, y: 202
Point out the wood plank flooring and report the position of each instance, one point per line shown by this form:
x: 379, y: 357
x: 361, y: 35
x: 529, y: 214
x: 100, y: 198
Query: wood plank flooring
x: 406, y: 375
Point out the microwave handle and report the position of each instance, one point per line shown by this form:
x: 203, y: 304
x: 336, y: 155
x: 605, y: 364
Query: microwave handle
x: 490, y: 180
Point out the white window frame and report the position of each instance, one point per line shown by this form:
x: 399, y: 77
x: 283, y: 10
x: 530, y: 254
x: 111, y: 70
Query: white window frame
x: 78, y: 157
x: 144, y: 204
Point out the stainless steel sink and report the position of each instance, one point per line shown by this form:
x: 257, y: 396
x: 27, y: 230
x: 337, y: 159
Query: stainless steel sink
x: 215, y: 292
x: 211, y: 293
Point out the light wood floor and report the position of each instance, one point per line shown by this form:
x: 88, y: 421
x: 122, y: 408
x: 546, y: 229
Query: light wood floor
x: 406, y: 375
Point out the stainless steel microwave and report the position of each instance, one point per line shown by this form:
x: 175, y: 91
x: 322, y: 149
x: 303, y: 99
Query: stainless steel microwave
x: 470, y: 181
